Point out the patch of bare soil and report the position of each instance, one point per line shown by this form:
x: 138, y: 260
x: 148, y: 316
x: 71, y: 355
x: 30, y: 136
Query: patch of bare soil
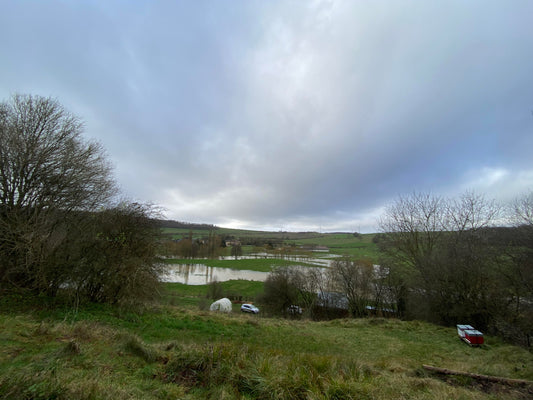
x: 500, y: 387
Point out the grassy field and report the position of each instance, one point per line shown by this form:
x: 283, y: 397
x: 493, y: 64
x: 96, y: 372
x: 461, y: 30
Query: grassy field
x: 345, y: 244
x: 193, y: 297
x: 174, y: 350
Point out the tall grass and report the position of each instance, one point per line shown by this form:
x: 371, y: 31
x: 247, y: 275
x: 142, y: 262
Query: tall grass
x: 174, y: 352
x: 250, y: 371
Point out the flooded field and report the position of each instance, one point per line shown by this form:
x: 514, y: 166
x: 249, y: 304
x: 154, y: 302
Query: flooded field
x: 201, y: 274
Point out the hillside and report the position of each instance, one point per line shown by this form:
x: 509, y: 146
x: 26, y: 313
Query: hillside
x: 177, y: 351
x: 341, y: 243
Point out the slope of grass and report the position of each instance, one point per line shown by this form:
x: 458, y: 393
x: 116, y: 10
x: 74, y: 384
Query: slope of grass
x: 100, y: 352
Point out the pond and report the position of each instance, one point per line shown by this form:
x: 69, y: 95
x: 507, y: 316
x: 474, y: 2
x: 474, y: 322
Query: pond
x: 200, y: 274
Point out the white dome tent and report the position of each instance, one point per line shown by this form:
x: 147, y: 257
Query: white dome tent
x: 222, y: 305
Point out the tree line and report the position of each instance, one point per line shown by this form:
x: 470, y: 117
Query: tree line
x: 451, y: 264
x: 210, y: 246
x: 62, y: 227
x: 166, y: 223
x: 446, y: 260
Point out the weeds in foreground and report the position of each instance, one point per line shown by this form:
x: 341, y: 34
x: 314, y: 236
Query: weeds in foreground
x: 254, y: 373
x: 135, y: 346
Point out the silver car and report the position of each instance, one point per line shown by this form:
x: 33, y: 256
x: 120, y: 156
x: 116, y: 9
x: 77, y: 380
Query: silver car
x: 249, y: 308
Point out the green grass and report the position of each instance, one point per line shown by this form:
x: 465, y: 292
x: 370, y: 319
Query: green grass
x: 346, y: 244
x: 194, y: 296
x: 51, y: 350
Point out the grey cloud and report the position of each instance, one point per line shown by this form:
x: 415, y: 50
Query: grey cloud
x: 286, y: 113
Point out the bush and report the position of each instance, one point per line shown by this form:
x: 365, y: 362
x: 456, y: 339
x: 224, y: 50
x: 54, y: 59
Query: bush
x: 57, y: 229
x: 119, y: 262
x: 51, y: 178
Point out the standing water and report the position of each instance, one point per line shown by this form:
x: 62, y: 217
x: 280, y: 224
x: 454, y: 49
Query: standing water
x: 200, y: 274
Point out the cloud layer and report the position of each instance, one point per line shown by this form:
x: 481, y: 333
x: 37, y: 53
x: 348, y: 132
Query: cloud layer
x: 287, y: 115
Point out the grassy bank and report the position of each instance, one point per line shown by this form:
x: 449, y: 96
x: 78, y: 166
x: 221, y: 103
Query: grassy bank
x: 177, y: 351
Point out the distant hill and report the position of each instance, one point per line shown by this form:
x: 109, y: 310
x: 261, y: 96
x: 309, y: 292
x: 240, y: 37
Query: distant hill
x: 164, y: 223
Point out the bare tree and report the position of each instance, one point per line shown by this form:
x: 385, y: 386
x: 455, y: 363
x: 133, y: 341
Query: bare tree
x: 308, y: 282
x: 467, y: 280
x: 443, y: 242
x: 292, y: 286
x: 522, y: 210
x: 280, y: 290
x: 519, y: 273
x: 354, y: 278
x: 236, y: 250
x: 470, y: 213
x: 414, y: 225
x: 48, y: 174
x: 118, y: 261
x: 45, y: 163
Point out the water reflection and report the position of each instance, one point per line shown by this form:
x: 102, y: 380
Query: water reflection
x: 321, y: 262
x: 200, y: 274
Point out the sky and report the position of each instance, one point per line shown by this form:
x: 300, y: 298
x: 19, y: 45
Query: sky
x: 287, y: 115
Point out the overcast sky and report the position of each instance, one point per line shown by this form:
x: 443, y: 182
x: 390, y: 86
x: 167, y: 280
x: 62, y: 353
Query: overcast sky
x: 292, y: 115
